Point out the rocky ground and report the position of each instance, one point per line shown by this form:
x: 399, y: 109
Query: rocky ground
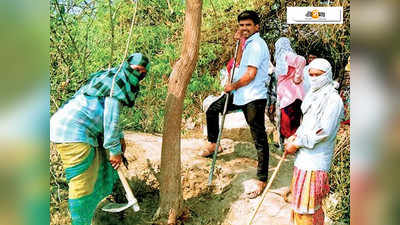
x: 226, y: 203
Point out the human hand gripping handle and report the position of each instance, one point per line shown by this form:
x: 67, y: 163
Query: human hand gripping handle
x: 116, y: 160
x: 290, y: 147
x: 229, y: 87
x: 237, y: 57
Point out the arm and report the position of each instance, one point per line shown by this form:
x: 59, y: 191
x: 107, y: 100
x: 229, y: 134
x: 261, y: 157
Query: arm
x: 112, y: 131
x: 329, y: 121
x: 245, y: 80
x: 253, y: 61
x: 299, y: 64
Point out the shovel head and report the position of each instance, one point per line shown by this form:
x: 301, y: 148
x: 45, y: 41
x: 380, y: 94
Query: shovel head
x: 119, y: 207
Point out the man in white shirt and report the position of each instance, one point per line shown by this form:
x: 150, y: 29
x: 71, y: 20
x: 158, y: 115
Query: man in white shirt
x: 249, y: 95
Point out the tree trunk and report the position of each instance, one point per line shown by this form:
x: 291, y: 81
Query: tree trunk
x: 171, y: 200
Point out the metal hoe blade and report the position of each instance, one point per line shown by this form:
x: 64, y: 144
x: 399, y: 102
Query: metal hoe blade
x: 119, y: 207
x: 116, y: 207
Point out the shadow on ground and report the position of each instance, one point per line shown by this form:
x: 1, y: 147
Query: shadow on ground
x: 210, y: 208
x: 148, y: 199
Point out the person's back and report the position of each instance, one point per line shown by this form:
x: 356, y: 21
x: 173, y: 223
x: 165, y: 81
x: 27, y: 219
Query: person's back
x: 290, y: 85
x: 289, y: 71
x: 80, y: 120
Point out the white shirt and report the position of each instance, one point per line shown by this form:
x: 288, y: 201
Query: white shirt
x: 255, y: 54
x: 316, y: 150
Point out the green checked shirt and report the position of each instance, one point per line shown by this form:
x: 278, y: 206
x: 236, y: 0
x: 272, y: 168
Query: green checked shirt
x: 84, y: 119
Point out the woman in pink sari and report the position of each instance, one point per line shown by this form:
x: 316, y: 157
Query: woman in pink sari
x: 289, y: 72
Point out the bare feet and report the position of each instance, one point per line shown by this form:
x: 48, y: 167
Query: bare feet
x: 209, y: 149
x: 255, y: 189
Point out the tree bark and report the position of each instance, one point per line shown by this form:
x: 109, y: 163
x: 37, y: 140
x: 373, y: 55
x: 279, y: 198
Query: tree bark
x: 171, y: 200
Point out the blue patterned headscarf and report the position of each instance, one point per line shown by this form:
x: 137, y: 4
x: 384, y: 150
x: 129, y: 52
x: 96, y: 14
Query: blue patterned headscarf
x: 282, y: 48
x: 126, y: 81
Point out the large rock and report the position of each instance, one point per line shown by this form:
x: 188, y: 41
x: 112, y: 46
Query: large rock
x: 235, y: 127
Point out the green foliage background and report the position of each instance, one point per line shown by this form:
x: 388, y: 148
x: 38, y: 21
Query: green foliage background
x: 81, y: 42
x: 80, y: 37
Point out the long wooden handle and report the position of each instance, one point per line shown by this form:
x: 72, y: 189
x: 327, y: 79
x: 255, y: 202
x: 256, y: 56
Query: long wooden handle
x: 129, y: 194
x: 210, y: 175
x: 268, y: 186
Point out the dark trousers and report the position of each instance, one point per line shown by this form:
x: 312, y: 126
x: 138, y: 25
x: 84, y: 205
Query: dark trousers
x: 254, y: 114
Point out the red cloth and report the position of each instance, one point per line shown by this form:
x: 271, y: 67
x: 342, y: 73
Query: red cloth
x: 290, y: 118
x: 229, y: 65
x: 346, y: 122
x: 309, y: 188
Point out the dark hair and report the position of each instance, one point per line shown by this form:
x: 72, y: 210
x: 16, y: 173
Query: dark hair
x: 249, y: 14
x: 317, y: 49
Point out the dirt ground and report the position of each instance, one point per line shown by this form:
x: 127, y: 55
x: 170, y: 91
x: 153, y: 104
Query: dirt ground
x: 226, y: 203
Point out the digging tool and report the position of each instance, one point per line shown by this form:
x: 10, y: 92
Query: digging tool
x: 281, y: 138
x: 268, y: 186
x: 223, y: 117
x: 132, y: 202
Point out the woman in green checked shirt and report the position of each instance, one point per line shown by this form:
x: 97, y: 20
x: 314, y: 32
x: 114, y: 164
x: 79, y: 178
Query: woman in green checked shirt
x: 87, y: 124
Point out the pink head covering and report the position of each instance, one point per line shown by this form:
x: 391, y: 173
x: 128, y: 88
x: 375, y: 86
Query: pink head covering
x: 290, y: 87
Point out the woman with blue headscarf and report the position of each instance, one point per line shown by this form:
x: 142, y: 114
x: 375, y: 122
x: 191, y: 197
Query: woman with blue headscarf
x: 87, y: 125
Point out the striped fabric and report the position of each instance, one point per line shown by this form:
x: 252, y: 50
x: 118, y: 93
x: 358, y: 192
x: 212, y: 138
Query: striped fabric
x: 308, y: 219
x: 309, y: 188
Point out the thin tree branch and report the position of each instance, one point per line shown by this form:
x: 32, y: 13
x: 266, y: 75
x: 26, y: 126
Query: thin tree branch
x: 127, y: 45
x: 116, y: 10
x: 112, y: 35
x: 58, y: 49
x: 169, y: 7
x: 215, y: 12
x: 87, y: 38
x: 68, y: 31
